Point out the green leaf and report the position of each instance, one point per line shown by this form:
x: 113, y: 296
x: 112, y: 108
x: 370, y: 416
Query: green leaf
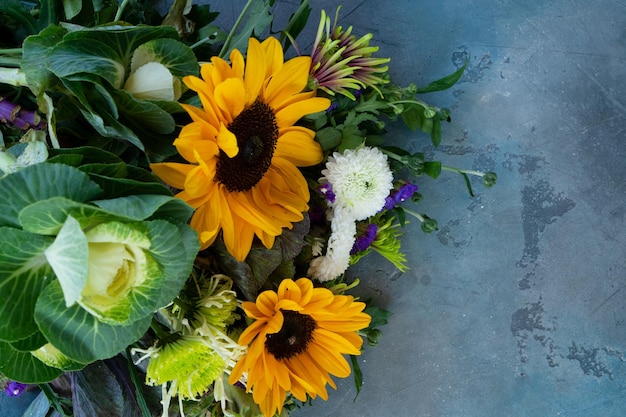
x: 468, y: 183
x: 297, y: 22
x: 177, y: 57
x: 328, y: 138
x: 32, y: 342
x: 68, y: 257
x: 358, y: 375
x: 76, y: 56
x: 40, y: 182
x: 445, y: 82
x: 35, y: 51
x: 24, y: 273
x: 258, y: 20
x: 142, y: 113
x: 72, y: 8
x: 174, y: 248
x: 122, y: 39
x: 78, y: 334
x: 24, y: 367
x: 141, y: 207
x: 432, y: 169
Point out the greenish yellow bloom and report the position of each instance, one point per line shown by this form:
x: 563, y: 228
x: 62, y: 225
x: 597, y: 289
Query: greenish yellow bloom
x: 188, y: 364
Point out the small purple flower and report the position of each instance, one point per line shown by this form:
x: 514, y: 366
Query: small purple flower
x: 365, y: 240
x: 14, y: 389
x: 405, y: 192
x: 327, y: 191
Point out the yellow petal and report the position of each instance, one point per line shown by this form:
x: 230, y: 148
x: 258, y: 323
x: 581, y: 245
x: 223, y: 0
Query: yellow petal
x: 289, y: 290
x: 172, y: 173
x: 296, y: 145
x: 227, y: 141
x: 291, y: 79
x: 255, y: 71
x: 230, y: 97
x: 294, y: 112
x: 274, y: 56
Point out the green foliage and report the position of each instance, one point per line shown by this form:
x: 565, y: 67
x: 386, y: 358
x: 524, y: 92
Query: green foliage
x: 50, y: 213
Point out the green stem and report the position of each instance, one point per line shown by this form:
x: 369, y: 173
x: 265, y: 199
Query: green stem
x: 11, y: 51
x: 231, y: 35
x: 143, y: 405
x: 392, y: 155
x: 10, y: 61
x: 463, y: 171
x: 120, y: 10
x: 52, y: 398
x: 414, y: 214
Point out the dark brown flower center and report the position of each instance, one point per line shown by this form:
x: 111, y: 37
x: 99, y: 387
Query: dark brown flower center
x: 257, y: 132
x: 293, y: 338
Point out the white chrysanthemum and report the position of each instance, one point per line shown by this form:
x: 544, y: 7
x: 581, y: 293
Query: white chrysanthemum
x: 360, y: 179
x: 337, y: 258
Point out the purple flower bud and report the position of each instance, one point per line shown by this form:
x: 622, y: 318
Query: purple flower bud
x: 14, y: 389
x: 365, y: 240
x: 327, y: 191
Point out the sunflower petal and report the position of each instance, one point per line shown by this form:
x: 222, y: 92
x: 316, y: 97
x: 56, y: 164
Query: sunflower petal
x: 172, y: 173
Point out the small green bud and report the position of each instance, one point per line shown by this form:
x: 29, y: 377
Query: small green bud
x: 374, y: 336
x: 489, y: 179
x: 415, y: 163
x: 429, y: 225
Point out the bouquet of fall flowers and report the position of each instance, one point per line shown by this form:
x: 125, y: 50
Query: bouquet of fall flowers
x: 180, y: 205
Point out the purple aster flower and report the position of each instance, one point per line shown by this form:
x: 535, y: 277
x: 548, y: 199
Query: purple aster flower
x: 14, y: 389
x: 363, y: 241
x: 327, y: 191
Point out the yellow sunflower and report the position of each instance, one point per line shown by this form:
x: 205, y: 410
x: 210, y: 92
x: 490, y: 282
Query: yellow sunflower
x: 297, y: 341
x: 243, y: 148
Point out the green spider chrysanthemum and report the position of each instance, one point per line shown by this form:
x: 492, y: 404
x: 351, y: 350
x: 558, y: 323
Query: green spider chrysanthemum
x: 341, y: 62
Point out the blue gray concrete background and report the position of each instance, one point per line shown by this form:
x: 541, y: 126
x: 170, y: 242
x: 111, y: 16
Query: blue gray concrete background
x: 516, y: 306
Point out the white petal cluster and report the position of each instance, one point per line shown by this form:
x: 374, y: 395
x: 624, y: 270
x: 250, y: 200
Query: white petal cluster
x: 360, y: 180
x: 337, y: 258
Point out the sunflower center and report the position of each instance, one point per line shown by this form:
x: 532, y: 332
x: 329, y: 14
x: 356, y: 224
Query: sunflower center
x: 293, y: 338
x: 257, y: 132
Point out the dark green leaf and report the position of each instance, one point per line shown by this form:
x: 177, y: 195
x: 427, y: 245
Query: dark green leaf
x: 297, y: 22
x: 445, y: 82
x: 358, y: 375
x: 328, y: 138
x: 24, y: 367
x: 32, y: 342
x: 432, y: 169
x: 24, y: 273
x: 468, y: 184
x: 35, y: 52
x: 76, y: 56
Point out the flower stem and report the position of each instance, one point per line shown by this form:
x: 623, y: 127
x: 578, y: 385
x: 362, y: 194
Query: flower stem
x: 231, y: 34
x: 463, y: 171
x: 120, y: 10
